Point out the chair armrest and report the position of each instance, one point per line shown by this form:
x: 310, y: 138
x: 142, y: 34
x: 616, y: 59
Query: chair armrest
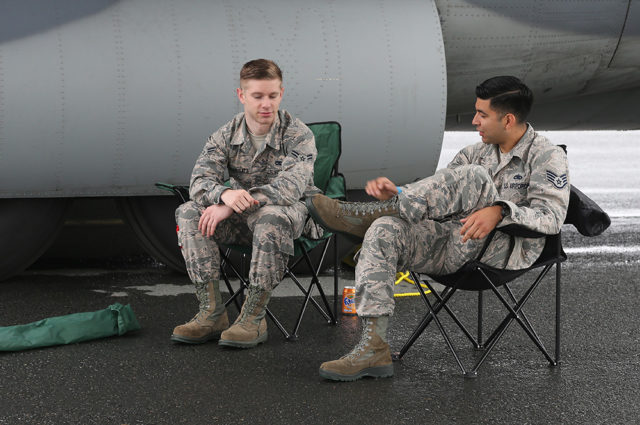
x: 519, y: 230
x: 512, y: 230
x: 181, y: 192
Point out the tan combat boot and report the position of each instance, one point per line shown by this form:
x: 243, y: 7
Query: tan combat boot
x: 250, y: 328
x: 211, y: 319
x: 370, y: 357
x: 350, y: 218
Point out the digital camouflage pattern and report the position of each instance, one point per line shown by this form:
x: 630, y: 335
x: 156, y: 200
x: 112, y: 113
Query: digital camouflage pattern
x: 269, y: 230
x: 532, y: 180
x: 279, y: 174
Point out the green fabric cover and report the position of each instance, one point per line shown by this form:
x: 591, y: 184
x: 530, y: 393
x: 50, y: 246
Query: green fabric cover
x: 336, y: 187
x: 114, y: 320
x: 327, y: 136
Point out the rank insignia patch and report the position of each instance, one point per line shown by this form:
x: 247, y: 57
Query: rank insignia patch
x: 301, y: 157
x: 558, y: 181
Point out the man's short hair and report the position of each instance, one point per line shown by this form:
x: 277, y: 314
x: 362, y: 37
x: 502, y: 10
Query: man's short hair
x: 508, y: 95
x: 260, y: 69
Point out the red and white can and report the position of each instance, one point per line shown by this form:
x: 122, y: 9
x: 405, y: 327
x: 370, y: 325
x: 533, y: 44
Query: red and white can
x: 349, y: 300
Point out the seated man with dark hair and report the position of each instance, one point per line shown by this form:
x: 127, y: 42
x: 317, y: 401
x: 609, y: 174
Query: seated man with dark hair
x: 437, y: 224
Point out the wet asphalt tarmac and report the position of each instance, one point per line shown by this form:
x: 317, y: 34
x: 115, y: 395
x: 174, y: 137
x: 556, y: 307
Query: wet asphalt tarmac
x: 142, y: 378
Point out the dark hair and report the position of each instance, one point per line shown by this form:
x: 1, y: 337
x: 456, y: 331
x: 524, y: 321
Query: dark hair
x: 260, y: 69
x: 508, y: 95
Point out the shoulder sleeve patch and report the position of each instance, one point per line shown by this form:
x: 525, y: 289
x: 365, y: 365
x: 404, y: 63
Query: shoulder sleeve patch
x: 558, y: 181
x: 301, y: 157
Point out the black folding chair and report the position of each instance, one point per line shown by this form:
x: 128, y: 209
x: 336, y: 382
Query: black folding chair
x: 474, y: 275
x: 327, y: 178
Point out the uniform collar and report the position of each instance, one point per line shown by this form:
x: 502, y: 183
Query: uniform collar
x: 522, y: 147
x: 241, y: 135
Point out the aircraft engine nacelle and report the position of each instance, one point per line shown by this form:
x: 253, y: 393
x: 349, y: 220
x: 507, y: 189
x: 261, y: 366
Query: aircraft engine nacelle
x: 102, y: 98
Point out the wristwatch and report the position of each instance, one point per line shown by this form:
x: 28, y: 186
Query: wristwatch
x: 504, y: 211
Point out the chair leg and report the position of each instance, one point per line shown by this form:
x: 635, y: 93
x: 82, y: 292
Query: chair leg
x: 289, y: 273
x: 533, y: 286
x: 315, y: 280
x: 480, y: 313
x: 513, y: 315
x: 426, y: 320
x: 558, y: 315
x: 335, y: 278
x: 453, y: 316
x: 441, y: 328
x: 278, y: 324
x: 525, y: 319
x: 327, y: 314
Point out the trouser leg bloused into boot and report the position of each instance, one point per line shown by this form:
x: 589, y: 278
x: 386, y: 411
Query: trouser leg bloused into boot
x: 210, y: 320
x: 274, y: 228
x: 370, y: 357
x: 250, y: 328
x: 349, y: 218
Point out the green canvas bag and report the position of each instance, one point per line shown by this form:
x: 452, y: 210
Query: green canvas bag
x: 114, y: 320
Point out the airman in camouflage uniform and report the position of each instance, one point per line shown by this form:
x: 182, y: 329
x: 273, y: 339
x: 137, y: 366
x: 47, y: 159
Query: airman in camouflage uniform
x: 268, y: 158
x: 437, y: 224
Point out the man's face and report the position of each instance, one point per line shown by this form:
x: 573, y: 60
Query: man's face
x: 489, y: 122
x: 261, y: 99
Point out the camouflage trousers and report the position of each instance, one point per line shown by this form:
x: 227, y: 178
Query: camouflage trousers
x: 426, y: 237
x: 270, y: 231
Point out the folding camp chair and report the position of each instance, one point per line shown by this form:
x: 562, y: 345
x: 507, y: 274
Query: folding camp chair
x: 331, y: 182
x: 474, y: 275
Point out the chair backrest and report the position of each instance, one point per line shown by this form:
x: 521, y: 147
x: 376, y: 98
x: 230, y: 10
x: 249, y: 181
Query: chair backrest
x: 328, y: 145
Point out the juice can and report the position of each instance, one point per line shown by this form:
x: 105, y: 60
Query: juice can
x: 349, y: 300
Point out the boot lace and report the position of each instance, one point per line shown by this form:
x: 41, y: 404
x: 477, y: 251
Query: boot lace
x: 366, y: 208
x: 248, y: 307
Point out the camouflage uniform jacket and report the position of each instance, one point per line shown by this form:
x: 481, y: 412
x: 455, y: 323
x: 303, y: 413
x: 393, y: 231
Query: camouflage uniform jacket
x: 280, y: 173
x: 532, y: 181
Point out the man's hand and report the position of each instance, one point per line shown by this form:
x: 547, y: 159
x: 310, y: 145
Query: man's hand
x: 239, y: 200
x: 211, y: 217
x: 481, y: 223
x: 381, y: 188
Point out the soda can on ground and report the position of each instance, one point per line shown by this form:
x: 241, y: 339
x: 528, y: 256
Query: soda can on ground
x: 349, y: 300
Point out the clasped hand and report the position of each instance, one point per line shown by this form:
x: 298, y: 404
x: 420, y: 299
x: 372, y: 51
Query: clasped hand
x: 239, y: 200
x: 211, y: 217
x: 480, y: 223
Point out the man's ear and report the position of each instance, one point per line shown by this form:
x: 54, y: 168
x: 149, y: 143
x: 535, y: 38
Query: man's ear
x: 240, y: 94
x: 510, y: 121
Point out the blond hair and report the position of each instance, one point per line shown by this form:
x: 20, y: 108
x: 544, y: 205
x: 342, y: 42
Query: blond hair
x: 260, y: 69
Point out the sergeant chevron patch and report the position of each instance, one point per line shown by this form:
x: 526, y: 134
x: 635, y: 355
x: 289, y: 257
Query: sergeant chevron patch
x: 558, y: 181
